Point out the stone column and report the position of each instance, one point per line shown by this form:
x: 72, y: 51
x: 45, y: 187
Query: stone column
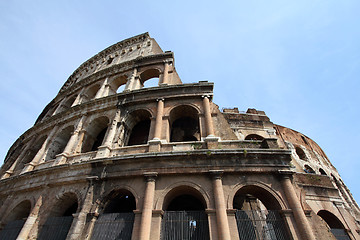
x: 146, y: 216
x: 130, y: 84
x: 165, y: 78
x: 31, y: 220
x: 78, y: 225
x: 220, y: 206
x: 159, y: 115
x: 155, y: 143
x: 78, y: 146
x: 78, y: 98
x: 40, y: 154
x: 104, y: 150
x: 70, y: 146
x: 102, y: 89
x: 208, y: 119
x: 299, y: 215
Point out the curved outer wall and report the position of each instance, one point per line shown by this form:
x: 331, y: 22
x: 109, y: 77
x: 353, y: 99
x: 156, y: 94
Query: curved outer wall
x: 107, y: 144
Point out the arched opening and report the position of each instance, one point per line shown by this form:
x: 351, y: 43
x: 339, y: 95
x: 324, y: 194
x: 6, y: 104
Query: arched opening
x: 184, y: 124
x: 257, y: 214
x: 308, y: 169
x: 300, y: 153
x: 15, y: 221
x: 95, y: 134
x: 335, y: 225
x: 138, y: 124
x: 253, y: 137
x: 322, y: 172
x: 184, y: 216
x: 31, y: 153
x: 150, y: 78
x: 58, y: 223
x: 91, y: 92
x: 117, y: 219
x: 67, y: 104
x: 58, y: 145
x: 118, y: 84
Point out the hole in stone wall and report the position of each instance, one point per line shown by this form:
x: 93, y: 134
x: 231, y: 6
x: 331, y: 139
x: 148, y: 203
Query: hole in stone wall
x: 120, y: 202
x: 253, y: 137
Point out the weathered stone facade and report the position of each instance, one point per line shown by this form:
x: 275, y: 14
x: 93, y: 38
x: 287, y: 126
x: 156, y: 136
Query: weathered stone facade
x: 111, y: 159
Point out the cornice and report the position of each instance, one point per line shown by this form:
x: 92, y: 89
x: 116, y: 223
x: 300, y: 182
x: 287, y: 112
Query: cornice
x: 103, y: 54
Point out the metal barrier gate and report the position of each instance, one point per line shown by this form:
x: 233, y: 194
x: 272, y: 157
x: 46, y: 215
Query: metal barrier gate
x: 260, y: 225
x: 12, y: 230
x: 111, y: 226
x: 185, y: 225
x: 55, y: 228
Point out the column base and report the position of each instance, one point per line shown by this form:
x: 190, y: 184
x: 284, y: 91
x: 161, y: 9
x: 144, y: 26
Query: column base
x: 7, y: 174
x: 28, y: 167
x: 103, y: 151
x: 60, y: 159
x: 154, y: 145
x: 212, y: 142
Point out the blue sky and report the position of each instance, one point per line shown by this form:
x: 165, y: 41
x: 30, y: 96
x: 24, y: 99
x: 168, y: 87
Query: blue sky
x: 299, y: 61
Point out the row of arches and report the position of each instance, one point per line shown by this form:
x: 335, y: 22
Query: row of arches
x: 133, y: 128
x: 110, y: 86
x: 257, y: 216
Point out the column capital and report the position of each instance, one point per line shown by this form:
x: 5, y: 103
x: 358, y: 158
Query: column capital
x: 206, y: 96
x: 150, y: 176
x: 286, y: 173
x: 216, y: 174
x: 160, y: 99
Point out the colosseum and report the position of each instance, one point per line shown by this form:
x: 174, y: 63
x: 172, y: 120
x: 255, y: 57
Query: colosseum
x: 109, y: 158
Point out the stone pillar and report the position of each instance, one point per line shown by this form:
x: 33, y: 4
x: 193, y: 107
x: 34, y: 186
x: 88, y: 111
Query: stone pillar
x: 78, y: 146
x: 155, y: 143
x: 102, y: 89
x: 130, y: 84
x: 299, y: 215
x: 104, y: 150
x: 31, y: 220
x: 72, y: 143
x: 146, y: 216
x: 78, y: 225
x: 208, y: 119
x: 165, y: 78
x: 40, y: 154
x: 159, y: 115
x: 78, y: 98
x: 220, y: 206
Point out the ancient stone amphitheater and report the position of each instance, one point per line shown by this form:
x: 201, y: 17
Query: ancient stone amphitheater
x: 110, y: 158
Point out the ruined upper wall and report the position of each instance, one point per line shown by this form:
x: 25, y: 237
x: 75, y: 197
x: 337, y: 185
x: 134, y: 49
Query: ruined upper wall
x: 129, y: 49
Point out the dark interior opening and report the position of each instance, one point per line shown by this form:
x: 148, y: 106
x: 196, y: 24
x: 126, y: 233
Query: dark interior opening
x: 185, y: 203
x: 322, y: 172
x: 184, y: 129
x: 121, y: 203
x: 99, y: 139
x: 300, y: 153
x: 253, y: 137
x: 140, y: 133
x: 71, y: 210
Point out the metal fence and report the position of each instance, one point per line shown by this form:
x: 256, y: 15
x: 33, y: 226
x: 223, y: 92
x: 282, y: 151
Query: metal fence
x: 261, y: 225
x: 55, y: 228
x: 11, y: 230
x: 185, y: 225
x: 113, y: 226
x: 340, y: 234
